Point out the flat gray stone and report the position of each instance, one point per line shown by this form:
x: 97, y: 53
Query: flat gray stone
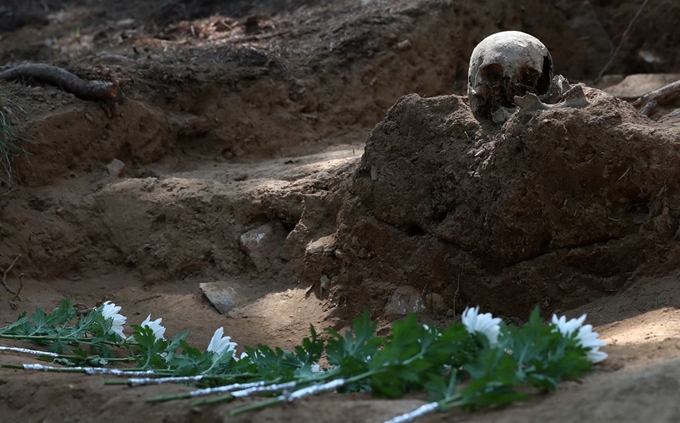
x: 115, y: 167
x: 635, y: 86
x: 220, y: 296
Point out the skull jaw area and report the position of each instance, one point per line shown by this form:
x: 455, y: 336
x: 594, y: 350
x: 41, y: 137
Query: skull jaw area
x: 560, y: 94
x: 494, y: 96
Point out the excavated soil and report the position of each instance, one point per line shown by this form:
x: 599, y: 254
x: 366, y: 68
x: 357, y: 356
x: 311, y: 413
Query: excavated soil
x: 314, y: 158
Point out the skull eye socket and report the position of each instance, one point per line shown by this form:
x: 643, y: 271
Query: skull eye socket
x: 533, y: 82
x: 543, y: 83
x: 528, y: 81
x: 492, y: 73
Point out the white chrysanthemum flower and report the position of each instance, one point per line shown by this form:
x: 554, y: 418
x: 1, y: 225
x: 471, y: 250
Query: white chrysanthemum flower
x: 110, y: 311
x: 220, y: 343
x: 243, y: 355
x: 482, y: 323
x: 156, y: 327
x: 584, y: 335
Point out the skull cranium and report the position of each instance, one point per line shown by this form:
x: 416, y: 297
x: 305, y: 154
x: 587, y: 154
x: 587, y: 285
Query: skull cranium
x: 505, y: 65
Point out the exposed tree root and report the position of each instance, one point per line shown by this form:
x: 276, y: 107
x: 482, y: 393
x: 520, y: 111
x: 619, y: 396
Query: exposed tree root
x: 4, y: 276
x: 623, y: 37
x: 21, y: 286
x: 650, y: 101
x: 81, y: 88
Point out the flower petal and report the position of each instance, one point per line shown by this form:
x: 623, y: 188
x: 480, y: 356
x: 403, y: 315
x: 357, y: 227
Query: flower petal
x: 156, y: 327
x: 482, y: 323
x: 585, y: 336
x: 110, y: 311
x: 595, y: 355
x: 218, y: 343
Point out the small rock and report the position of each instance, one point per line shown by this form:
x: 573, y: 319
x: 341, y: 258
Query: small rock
x: 435, y: 302
x: 115, y: 167
x: 125, y: 22
x: 321, y: 245
x: 404, y: 45
x: 220, y: 296
x: 263, y: 244
x: 404, y: 300
x: 324, y: 281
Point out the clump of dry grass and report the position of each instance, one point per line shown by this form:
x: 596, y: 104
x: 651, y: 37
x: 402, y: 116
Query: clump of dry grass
x: 10, y: 140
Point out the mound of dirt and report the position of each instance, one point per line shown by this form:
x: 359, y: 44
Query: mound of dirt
x: 555, y: 208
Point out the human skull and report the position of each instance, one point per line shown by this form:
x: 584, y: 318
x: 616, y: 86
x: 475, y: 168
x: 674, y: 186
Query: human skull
x: 505, y: 65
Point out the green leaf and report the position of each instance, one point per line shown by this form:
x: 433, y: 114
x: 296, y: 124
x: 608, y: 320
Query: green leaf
x: 148, y: 349
x: 359, y: 343
x: 190, y: 361
x: 173, y: 346
x: 39, y: 320
x: 61, y: 315
x: 19, y: 327
x: 270, y: 363
x: 64, y: 362
x: 406, y: 341
x: 452, y: 347
x: 436, y: 385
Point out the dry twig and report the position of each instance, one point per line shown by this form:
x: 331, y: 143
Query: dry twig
x: 455, y: 295
x: 650, y: 101
x: 81, y: 88
x: 623, y: 37
x: 21, y: 286
x: 4, y: 276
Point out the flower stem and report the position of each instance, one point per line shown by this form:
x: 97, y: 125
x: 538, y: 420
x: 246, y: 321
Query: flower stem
x: 87, y: 341
x: 254, y: 388
x: 116, y: 382
x: 442, y: 405
x: 86, y: 370
x: 32, y: 352
x: 160, y: 398
x: 44, y: 368
x: 215, y: 400
x: 454, y: 401
x: 66, y: 356
x: 180, y: 379
x: 300, y: 393
x: 242, y: 387
x: 257, y: 406
x: 412, y: 415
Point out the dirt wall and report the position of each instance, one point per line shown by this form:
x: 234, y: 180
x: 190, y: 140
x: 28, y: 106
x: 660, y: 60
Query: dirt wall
x: 555, y: 208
